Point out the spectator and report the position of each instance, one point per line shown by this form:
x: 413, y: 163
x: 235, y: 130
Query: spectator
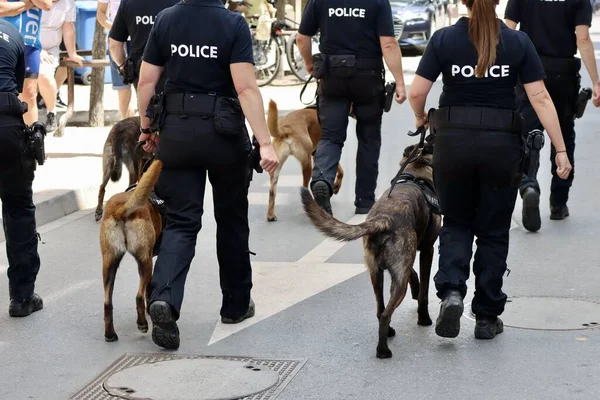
x: 107, y: 9
x: 58, y: 23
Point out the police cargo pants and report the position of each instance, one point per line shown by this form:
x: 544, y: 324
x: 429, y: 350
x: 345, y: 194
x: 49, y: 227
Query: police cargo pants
x: 364, y: 95
x: 18, y: 210
x: 476, y: 175
x: 564, y: 91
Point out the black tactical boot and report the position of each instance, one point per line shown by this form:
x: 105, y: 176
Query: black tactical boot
x: 249, y: 314
x: 531, y: 210
x: 488, y: 327
x: 322, y: 195
x: 448, y: 322
x: 165, y: 332
x: 559, y: 212
x: 25, y: 308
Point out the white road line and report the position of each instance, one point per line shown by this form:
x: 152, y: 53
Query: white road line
x: 58, y: 295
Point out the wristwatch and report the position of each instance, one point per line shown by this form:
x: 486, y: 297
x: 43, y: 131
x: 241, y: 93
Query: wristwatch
x: 146, y: 130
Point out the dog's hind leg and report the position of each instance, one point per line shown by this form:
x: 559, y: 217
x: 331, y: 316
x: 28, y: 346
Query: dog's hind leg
x: 110, y: 264
x: 398, y: 291
x: 271, y: 217
x: 108, y: 166
x: 414, y: 284
x: 377, y: 281
x: 425, y: 260
x: 145, y: 270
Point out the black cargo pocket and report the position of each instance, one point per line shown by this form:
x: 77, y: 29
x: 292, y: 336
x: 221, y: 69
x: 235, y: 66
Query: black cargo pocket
x: 319, y: 66
x: 228, y: 117
x: 342, y: 66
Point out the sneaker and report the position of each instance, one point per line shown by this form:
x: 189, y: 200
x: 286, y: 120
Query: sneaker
x: 165, y: 332
x: 51, y: 124
x: 448, y: 322
x: 249, y: 314
x: 322, y: 195
x: 488, y: 328
x: 531, y: 210
x: 26, y: 307
x: 559, y: 212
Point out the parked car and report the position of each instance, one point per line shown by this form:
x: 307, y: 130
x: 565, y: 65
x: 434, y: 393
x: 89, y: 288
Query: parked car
x: 416, y: 20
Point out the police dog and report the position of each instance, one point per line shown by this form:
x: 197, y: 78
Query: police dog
x: 296, y: 134
x: 399, y: 224
x: 120, y: 147
x: 131, y: 224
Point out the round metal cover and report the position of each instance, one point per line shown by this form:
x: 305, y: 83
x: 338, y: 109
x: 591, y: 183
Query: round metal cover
x: 548, y: 313
x: 191, y: 379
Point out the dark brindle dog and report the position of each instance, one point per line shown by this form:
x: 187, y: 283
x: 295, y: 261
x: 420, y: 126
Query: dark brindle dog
x: 400, y: 223
x: 120, y: 147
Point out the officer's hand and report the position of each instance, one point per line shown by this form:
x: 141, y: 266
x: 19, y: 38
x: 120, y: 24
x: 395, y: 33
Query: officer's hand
x: 268, y: 158
x: 563, y: 165
x: 151, y: 141
x: 400, y: 95
x: 596, y: 98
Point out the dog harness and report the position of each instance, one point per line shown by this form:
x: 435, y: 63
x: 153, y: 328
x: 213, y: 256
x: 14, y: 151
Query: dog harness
x: 426, y: 187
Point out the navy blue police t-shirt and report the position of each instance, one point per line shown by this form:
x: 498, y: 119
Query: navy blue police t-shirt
x: 199, y: 40
x: 348, y: 26
x: 12, y: 59
x: 551, y: 24
x: 452, y: 54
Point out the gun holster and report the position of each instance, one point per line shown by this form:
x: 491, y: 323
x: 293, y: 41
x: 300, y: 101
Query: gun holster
x: 582, y: 99
x: 131, y: 70
x: 35, y: 135
x: 390, y: 90
x: 156, y: 111
x: 319, y: 65
x: 534, y: 142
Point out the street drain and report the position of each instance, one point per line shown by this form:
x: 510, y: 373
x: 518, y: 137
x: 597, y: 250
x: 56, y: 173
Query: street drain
x: 158, y: 376
x: 548, y: 313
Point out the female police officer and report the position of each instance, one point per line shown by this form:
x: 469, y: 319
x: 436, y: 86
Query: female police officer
x: 207, y: 51
x: 478, y: 153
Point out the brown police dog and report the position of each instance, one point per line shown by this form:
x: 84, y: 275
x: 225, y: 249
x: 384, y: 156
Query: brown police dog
x: 396, y: 227
x: 120, y: 147
x: 131, y: 224
x: 296, y: 134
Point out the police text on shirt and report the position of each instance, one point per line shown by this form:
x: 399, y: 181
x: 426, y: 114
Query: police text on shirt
x: 468, y: 71
x: 194, y: 51
x: 347, y: 12
x: 5, y: 37
x: 144, y: 20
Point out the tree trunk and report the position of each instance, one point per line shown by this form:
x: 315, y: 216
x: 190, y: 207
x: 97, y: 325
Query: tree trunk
x: 97, y: 85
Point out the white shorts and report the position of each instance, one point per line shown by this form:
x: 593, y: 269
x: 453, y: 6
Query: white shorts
x: 48, y: 67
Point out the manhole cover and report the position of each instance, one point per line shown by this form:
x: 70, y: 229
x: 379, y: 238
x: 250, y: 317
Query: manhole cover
x: 548, y: 313
x: 175, y: 376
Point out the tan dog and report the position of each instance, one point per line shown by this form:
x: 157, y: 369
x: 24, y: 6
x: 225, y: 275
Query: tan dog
x: 296, y: 134
x: 131, y: 224
x: 396, y: 227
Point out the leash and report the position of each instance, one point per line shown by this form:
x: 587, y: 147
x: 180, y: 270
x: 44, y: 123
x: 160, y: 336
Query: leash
x: 304, y: 88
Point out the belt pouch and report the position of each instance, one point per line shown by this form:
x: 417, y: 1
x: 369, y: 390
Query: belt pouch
x: 228, y: 117
x: 319, y: 65
x: 342, y: 66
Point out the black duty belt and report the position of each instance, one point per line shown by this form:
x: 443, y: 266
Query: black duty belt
x: 369, y: 63
x: 426, y: 187
x: 200, y: 104
x: 10, y: 104
x: 468, y: 117
x: 561, y: 65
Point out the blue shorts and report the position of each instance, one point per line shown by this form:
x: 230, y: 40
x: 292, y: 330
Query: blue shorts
x: 32, y: 62
x: 116, y: 78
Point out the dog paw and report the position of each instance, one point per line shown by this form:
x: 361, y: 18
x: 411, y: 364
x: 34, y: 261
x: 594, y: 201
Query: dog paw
x: 110, y: 338
x: 391, y: 332
x: 424, y: 321
x: 384, y: 352
x: 143, y: 328
x: 98, y: 215
x: 271, y: 218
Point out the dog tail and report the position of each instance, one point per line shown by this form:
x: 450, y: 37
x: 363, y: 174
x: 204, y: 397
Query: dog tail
x: 117, y: 148
x: 272, y: 117
x: 141, y: 192
x: 337, y: 229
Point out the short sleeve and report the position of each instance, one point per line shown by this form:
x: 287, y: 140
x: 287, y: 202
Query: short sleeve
x: 530, y: 69
x: 583, y: 13
x: 309, y: 24
x: 70, y: 14
x: 385, y: 23
x: 153, y: 53
x: 513, y: 10
x: 242, y: 45
x: 429, y: 66
x: 119, y: 31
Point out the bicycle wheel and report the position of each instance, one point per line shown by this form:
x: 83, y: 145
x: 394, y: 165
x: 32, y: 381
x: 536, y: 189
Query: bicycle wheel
x: 267, y: 60
x: 294, y: 58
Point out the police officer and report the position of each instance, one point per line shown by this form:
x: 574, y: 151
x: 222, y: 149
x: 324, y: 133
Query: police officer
x: 134, y: 19
x: 478, y: 153
x: 557, y: 29
x: 207, y: 53
x: 354, y: 36
x: 16, y: 176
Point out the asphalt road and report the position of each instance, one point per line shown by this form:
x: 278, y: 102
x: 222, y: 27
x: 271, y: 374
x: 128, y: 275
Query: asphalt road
x: 315, y: 301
